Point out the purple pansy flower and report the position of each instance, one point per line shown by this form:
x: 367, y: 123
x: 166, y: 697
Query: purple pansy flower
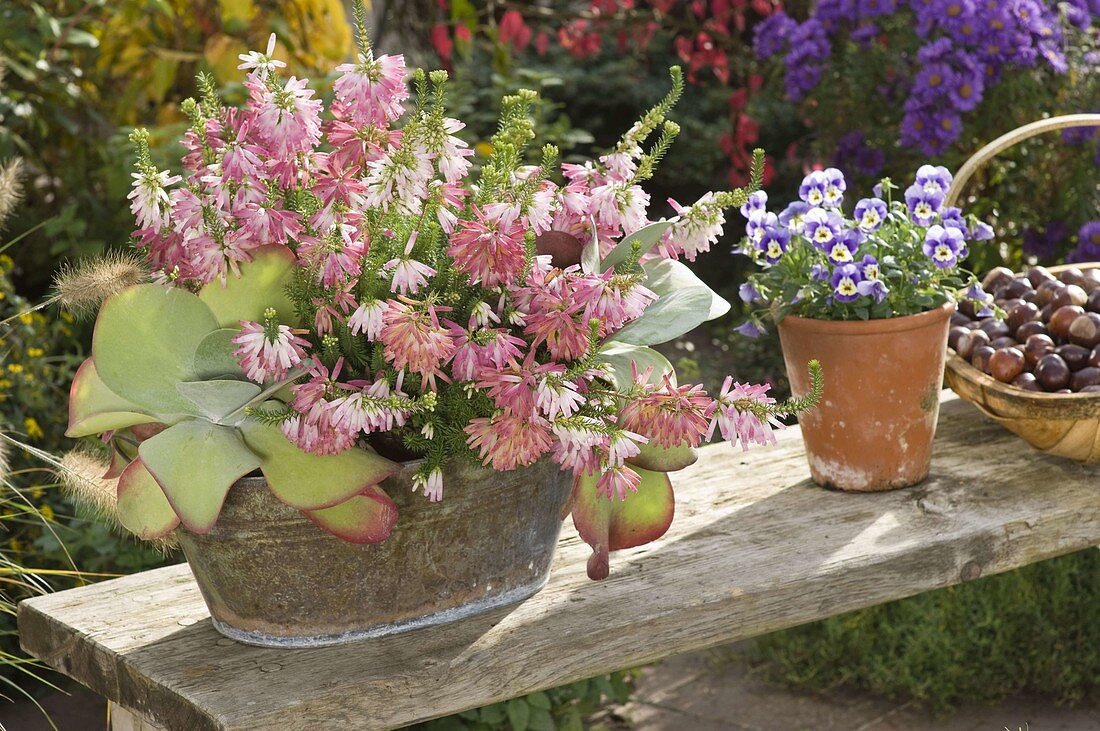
x: 759, y: 222
x: 773, y: 244
x: 819, y: 272
x: 748, y: 293
x: 870, y: 214
x: 750, y: 329
x: 943, y: 245
x: 981, y: 299
x: 873, y: 288
x: 923, y: 204
x: 952, y: 216
x: 834, y: 187
x: 843, y: 248
x: 758, y: 201
x: 845, y: 281
x: 869, y: 268
x: 980, y: 231
x: 794, y: 216
x: 934, y: 177
x: 813, y: 188
x: 822, y: 227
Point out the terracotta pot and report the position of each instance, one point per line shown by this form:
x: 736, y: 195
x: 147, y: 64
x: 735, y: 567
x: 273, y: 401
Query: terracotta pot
x: 270, y: 577
x: 874, y: 427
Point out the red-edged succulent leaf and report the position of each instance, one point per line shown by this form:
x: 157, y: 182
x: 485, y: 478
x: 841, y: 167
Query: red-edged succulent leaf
x: 196, y: 462
x: 119, y: 462
x: 94, y: 408
x: 142, y: 507
x: 610, y: 525
x: 309, y: 481
x: 365, y: 518
x: 664, y: 459
x: 261, y: 284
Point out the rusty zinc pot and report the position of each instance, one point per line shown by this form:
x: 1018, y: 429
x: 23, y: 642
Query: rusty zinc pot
x: 270, y: 577
x: 874, y: 427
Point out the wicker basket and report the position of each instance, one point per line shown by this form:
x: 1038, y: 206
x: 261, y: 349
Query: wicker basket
x: 1063, y: 424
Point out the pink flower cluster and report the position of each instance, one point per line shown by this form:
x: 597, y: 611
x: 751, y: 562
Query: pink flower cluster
x: 430, y: 307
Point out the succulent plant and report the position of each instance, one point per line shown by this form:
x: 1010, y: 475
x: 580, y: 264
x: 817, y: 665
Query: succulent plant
x: 163, y: 387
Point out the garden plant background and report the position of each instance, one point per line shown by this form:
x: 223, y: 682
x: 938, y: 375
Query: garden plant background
x: 870, y: 86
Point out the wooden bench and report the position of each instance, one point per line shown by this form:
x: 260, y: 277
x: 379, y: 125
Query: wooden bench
x: 755, y: 547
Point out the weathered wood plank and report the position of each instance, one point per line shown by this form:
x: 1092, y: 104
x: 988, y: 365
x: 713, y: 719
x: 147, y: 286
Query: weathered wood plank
x: 754, y: 548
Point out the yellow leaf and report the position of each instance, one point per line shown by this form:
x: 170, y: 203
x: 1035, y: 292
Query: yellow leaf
x: 221, y: 53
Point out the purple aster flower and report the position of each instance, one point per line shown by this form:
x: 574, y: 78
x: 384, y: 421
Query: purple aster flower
x: 870, y: 214
x: 943, y: 245
x: 845, y: 281
x: 774, y: 243
x: 750, y: 329
x: 770, y: 36
x: 821, y: 227
x: 923, y: 204
x: 748, y: 293
x: 812, y: 190
x: 843, y: 248
x: 934, y: 177
x: 758, y: 201
x: 1088, y: 244
x: 794, y: 216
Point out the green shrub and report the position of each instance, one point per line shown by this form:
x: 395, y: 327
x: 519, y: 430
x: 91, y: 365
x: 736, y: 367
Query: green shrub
x: 1035, y: 630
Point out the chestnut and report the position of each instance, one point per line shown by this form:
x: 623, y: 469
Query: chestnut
x: 1045, y: 291
x: 1075, y: 356
x: 1073, y: 275
x: 1016, y: 288
x: 1039, y: 274
x: 1085, y: 330
x: 995, y: 328
x: 1084, y: 378
x: 958, y: 318
x: 996, y: 278
x: 1028, y: 329
x: 1005, y: 341
x: 1027, y: 382
x: 980, y: 358
x: 1061, y: 319
x: 956, y: 332
x: 1052, y: 372
x: 1070, y: 294
x: 1036, y: 347
x: 1045, y: 312
x: 1092, y: 304
x: 967, y: 344
x: 1092, y: 279
x: 1007, y: 363
x: 1021, y: 313
x: 1094, y: 357
x: 1090, y: 389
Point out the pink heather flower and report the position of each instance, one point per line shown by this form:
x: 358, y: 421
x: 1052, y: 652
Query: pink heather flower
x: 700, y: 226
x: 368, y: 319
x: 321, y: 382
x: 450, y: 152
x: 668, y: 415
x: 556, y: 397
x: 540, y: 210
x: 336, y: 255
x: 413, y: 339
x: 617, y: 482
x: 580, y: 444
x: 566, y: 339
x: 149, y: 199
x: 399, y: 181
x: 623, y: 446
x: 488, y: 251
x: 372, y: 91
x: 507, y: 440
x: 612, y: 300
x: 409, y: 275
x: 268, y: 356
x: 618, y: 206
x: 316, y: 431
x: 513, y: 389
x: 287, y: 120
x: 620, y: 165
x: 261, y: 64
x: 431, y: 484
x: 270, y: 225
x: 736, y: 422
x: 366, y: 410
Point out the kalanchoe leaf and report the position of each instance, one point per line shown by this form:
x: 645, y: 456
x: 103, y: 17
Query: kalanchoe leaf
x: 683, y: 304
x: 365, y: 518
x: 196, y: 462
x: 308, y: 481
x: 664, y: 459
x: 94, y: 408
x: 617, y: 359
x: 119, y: 462
x: 610, y: 525
x: 142, y: 507
x: 646, y: 237
x: 214, y: 357
x: 262, y: 284
x: 145, y: 341
x: 216, y: 400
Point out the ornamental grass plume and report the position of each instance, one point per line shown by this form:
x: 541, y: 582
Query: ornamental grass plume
x: 83, y: 287
x: 11, y: 187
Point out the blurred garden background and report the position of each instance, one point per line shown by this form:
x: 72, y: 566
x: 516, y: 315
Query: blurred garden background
x: 873, y: 87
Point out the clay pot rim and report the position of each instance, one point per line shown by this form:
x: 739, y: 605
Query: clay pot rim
x: 869, y: 327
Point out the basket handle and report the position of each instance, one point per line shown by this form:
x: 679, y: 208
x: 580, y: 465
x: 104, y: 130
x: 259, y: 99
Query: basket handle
x: 1011, y: 138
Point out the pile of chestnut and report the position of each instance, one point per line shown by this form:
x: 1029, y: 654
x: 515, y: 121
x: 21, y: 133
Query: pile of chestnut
x: 1050, y: 338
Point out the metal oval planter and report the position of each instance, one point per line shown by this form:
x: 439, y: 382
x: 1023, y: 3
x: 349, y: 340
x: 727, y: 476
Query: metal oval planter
x: 271, y: 577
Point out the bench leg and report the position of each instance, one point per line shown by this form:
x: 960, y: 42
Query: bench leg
x: 124, y: 720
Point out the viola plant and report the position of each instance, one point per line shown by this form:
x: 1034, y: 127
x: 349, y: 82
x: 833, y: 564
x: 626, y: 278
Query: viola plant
x: 898, y: 253
x: 335, y: 290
